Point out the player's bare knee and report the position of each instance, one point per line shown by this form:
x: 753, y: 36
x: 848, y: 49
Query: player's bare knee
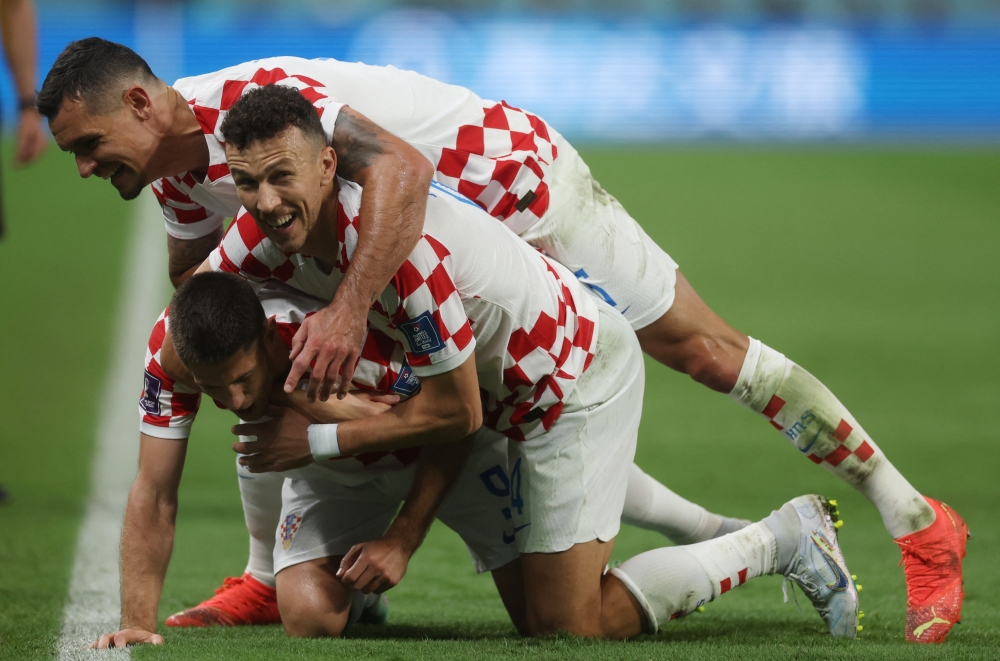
x: 547, y: 622
x: 309, y: 623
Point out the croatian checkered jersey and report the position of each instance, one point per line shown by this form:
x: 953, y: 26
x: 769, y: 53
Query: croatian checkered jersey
x: 495, y: 154
x: 168, y: 407
x: 469, y: 286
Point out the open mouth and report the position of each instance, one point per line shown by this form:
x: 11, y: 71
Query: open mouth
x: 114, y: 175
x: 281, y: 222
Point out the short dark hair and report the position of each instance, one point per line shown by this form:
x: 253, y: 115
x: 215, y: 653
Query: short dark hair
x: 213, y: 316
x: 265, y: 112
x: 92, y: 70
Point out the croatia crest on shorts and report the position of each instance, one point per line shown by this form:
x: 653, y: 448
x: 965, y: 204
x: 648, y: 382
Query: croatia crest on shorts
x: 289, y: 527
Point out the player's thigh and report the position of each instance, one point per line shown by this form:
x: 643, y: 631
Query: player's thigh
x: 311, y: 599
x: 563, y: 590
x: 478, y: 505
x: 588, y: 231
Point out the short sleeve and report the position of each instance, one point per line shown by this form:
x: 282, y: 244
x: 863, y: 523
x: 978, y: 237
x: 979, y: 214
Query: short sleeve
x: 166, y: 409
x: 431, y: 322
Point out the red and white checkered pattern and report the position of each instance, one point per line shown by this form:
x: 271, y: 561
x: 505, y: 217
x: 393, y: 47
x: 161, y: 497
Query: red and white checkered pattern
x: 835, y: 457
x: 378, y: 368
x: 497, y: 155
x: 531, y: 324
x: 167, y: 409
x: 502, y: 162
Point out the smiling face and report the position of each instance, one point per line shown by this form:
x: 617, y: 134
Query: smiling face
x: 116, y: 145
x: 242, y: 383
x: 282, y: 182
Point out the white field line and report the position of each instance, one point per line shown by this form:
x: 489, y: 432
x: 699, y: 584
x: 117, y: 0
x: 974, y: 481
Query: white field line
x: 93, y: 602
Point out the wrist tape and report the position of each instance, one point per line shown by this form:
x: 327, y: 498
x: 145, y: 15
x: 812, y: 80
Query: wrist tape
x: 323, y: 442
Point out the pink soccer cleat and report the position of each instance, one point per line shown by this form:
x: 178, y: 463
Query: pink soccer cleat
x: 932, y: 560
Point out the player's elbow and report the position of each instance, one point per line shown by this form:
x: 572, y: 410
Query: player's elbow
x: 469, y: 419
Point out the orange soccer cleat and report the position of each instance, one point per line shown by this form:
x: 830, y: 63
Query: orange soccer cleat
x: 932, y: 560
x: 239, y: 602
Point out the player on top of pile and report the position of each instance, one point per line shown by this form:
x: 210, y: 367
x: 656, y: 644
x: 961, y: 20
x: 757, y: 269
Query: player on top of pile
x: 395, y: 130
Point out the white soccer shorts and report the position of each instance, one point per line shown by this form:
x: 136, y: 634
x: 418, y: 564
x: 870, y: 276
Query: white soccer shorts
x: 589, y: 232
x: 567, y: 486
x: 321, y: 517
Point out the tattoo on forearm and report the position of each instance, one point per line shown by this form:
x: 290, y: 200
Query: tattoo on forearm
x: 356, y: 141
x: 185, y: 253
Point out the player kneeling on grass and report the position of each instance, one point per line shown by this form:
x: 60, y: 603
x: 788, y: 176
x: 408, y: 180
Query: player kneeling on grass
x: 233, y: 347
x: 346, y: 501
x: 511, y: 339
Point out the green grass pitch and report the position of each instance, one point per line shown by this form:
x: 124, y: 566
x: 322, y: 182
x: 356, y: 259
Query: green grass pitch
x: 875, y: 269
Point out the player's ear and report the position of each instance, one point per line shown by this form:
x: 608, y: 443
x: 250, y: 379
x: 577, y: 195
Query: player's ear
x: 137, y: 99
x: 328, y: 164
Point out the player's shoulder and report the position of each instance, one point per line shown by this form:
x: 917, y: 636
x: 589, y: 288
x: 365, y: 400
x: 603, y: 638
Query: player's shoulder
x: 265, y: 71
x: 161, y: 351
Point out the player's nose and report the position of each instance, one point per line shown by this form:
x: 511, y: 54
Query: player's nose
x: 86, y: 166
x: 268, y: 199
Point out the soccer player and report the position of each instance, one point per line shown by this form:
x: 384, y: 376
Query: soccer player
x: 331, y: 508
x: 392, y: 130
x: 249, y: 335
x: 501, y: 336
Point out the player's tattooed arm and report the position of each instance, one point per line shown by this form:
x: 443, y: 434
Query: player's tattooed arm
x: 186, y: 255
x: 395, y: 178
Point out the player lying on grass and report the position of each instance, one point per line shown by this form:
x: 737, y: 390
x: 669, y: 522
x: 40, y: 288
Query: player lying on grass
x: 121, y: 122
x: 495, y: 329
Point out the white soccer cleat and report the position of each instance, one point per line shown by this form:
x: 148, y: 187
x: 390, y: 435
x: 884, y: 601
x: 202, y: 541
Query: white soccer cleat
x: 819, y: 568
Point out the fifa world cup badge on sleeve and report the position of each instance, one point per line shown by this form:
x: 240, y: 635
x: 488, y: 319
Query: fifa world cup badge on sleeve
x: 422, y: 334
x: 151, y: 387
x: 407, y: 382
x: 289, y: 527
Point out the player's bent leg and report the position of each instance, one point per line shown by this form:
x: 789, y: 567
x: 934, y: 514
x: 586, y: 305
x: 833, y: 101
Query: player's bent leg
x: 509, y: 580
x: 251, y: 598
x: 652, y: 506
x: 312, y: 600
x: 799, y: 541
x: 809, y: 416
x: 692, y: 339
x: 261, y: 497
x: 568, y: 592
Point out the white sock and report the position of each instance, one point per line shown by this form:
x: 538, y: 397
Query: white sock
x: 261, y: 495
x: 674, y: 581
x: 808, y: 414
x: 652, y: 506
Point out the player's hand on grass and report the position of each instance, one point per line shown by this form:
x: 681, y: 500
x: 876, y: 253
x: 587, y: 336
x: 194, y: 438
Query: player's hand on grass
x: 282, y: 443
x: 126, y: 637
x: 374, y: 566
x: 330, y: 342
